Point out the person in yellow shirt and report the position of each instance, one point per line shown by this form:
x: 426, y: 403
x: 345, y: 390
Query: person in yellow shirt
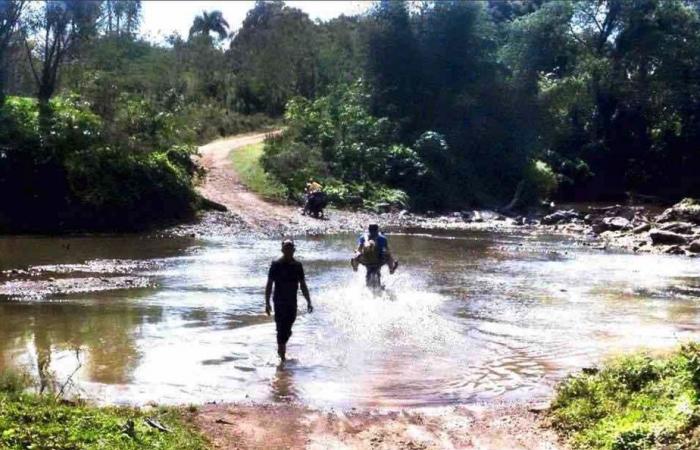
x: 313, y: 186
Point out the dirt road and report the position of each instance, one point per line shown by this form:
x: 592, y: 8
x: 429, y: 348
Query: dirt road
x: 223, y: 186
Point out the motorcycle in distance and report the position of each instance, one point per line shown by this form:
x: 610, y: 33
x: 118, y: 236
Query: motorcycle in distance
x: 314, y: 204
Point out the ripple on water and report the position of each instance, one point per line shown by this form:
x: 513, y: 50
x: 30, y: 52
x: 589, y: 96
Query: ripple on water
x: 468, y: 317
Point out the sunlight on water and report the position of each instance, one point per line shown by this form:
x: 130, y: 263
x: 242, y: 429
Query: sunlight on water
x: 468, y: 317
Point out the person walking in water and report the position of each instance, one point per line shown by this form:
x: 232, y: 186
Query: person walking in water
x: 287, y: 275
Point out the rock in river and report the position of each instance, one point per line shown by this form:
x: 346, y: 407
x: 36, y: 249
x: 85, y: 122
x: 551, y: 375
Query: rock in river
x: 695, y: 246
x: 687, y: 210
x: 616, y: 223
x: 560, y: 216
x: 642, y: 228
x: 678, y: 227
x: 666, y: 237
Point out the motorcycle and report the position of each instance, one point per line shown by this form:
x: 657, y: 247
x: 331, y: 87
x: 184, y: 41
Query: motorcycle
x: 315, y: 203
x: 373, y: 277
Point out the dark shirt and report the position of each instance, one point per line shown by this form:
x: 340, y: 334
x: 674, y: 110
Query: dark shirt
x: 286, y: 275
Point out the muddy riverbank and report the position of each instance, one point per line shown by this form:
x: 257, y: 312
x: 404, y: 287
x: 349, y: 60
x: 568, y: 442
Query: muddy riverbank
x: 281, y: 427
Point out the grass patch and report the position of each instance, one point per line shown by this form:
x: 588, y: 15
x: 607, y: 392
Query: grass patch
x: 246, y: 160
x: 31, y: 421
x: 637, y: 402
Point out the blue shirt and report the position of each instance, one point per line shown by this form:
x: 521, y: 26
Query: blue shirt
x: 380, y: 240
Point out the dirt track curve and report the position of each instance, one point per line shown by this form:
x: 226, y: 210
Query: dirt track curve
x: 222, y: 185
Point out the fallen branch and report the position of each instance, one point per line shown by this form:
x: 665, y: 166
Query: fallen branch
x: 68, y: 380
x: 157, y: 425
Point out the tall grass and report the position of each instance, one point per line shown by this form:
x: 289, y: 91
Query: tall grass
x: 246, y: 161
x: 34, y: 421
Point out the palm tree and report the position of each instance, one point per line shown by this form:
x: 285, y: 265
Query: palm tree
x: 208, y: 22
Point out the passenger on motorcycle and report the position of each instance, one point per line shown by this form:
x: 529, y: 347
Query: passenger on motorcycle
x: 316, y: 200
x: 373, y: 250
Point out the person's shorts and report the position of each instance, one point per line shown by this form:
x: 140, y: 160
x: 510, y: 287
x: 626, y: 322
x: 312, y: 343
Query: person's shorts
x: 285, y: 315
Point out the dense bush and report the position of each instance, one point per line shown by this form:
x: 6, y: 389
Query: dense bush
x: 336, y: 140
x: 61, y: 175
x: 633, y: 403
x: 210, y: 122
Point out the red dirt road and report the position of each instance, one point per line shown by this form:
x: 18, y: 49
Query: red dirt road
x: 282, y: 426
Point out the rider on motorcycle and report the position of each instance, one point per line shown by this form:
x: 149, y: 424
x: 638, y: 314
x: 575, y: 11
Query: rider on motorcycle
x: 316, y: 199
x: 373, y: 250
x: 313, y: 186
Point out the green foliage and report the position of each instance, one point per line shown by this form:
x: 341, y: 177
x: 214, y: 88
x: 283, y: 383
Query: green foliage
x: 14, y: 381
x: 292, y: 163
x: 459, y: 99
x: 209, y: 22
x: 210, y: 122
x: 30, y: 421
x: 541, y: 181
x: 335, y: 139
x: 615, y: 93
x: 246, y: 160
x: 116, y: 188
x: 64, y: 176
x: 138, y: 122
x: 274, y: 55
x: 634, y: 402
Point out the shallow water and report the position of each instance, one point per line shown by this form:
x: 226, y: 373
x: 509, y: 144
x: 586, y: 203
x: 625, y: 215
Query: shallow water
x: 469, y: 317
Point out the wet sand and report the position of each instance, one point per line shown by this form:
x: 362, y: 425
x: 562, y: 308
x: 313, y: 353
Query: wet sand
x: 278, y: 427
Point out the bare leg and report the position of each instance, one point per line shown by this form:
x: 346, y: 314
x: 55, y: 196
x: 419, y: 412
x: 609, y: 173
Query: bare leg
x: 355, y: 261
x: 391, y: 262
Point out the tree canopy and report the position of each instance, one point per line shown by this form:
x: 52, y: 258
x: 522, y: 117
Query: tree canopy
x: 451, y: 103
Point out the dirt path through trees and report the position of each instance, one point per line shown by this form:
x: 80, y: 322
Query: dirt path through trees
x: 222, y: 185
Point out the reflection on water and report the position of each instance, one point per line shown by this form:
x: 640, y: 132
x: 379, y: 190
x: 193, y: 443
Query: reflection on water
x: 469, y: 317
x: 283, y: 387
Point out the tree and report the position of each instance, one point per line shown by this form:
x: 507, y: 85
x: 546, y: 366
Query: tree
x: 617, y: 85
x: 121, y: 17
x: 58, y: 27
x: 210, y: 22
x: 340, y: 52
x: 10, y: 12
x: 274, y: 55
x: 393, y: 63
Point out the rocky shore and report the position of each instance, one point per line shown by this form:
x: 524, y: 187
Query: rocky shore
x: 675, y: 231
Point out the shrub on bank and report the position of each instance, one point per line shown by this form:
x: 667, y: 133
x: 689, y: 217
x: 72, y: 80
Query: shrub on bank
x: 210, y: 122
x: 58, y: 173
x: 367, y: 161
x: 633, y: 403
x: 336, y: 140
x: 29, y: 421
